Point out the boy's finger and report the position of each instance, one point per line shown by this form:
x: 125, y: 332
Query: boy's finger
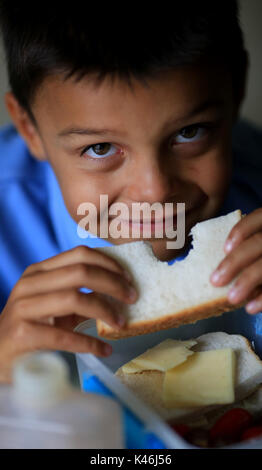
x: 247, y: 226
x: 34, y: 336
x: 69, y: 322
x: 66, y: 302
x: 79, y: 254
x: 249, y: 279
x: 78, y: 275
x: 254, y: 305
x: 95, y: 278
x: 245, y: 254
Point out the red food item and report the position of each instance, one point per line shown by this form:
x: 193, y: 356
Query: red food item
x: 230, y: 425
x: 181, y: 429
x: 250, y: 433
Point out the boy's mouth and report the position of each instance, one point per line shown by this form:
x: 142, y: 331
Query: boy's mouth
x: 155, y: 227
x: 168, y: 225
x: 165, y: 221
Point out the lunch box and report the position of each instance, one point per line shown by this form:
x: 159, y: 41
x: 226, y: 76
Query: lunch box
x: 235, y: 322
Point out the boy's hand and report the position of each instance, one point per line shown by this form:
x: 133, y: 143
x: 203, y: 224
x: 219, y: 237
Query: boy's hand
x: 49, y: 290
x: 244, y: 258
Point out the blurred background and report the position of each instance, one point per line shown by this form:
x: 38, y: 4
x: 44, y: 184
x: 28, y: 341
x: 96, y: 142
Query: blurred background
x: 251, y: 20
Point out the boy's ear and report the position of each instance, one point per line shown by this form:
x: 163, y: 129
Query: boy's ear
x: 26, y: 128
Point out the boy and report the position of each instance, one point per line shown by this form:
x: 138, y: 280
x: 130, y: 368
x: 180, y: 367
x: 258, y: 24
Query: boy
x: 121, y: 108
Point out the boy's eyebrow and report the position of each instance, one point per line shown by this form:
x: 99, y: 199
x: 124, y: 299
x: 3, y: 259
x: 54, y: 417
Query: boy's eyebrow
x: 200, y: 108
x: 84, y: 131
x: 208, y: 105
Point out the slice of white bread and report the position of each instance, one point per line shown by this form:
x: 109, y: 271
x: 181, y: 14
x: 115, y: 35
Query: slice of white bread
x: 148, y: 384
x: 182, y: 293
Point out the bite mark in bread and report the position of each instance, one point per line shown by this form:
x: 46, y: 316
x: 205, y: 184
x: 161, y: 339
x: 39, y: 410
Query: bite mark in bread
x: 189, y: 305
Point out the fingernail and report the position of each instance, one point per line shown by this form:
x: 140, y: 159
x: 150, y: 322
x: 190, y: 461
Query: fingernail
x: 216, y: 276
x: 252, y: 307
x: 229, y: 246
x: 234, y: 294
x: 107, y: 349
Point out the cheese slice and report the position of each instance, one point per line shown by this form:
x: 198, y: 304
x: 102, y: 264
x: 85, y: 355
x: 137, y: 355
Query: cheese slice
x: 206, y: 378
x: 164, y: 356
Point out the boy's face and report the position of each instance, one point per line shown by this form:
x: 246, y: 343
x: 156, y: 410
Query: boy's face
x: 169, y: 141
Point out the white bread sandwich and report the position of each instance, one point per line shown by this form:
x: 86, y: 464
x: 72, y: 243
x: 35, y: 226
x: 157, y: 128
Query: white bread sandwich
x: 182, y: 293
x: 245, y: 379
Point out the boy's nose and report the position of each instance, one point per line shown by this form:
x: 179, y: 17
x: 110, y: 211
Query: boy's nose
x: 149, y: 181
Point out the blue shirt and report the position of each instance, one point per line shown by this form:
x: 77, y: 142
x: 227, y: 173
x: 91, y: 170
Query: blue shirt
x: 36, y: 225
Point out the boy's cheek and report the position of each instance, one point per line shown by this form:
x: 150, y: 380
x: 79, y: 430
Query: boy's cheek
x: 90, y: 207
x: 212, y: 173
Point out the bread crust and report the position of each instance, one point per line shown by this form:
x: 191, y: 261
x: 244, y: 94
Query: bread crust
x: 189, y: 315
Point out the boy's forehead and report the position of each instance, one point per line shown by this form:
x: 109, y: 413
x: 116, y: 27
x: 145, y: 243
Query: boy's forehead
x: 64, y: 103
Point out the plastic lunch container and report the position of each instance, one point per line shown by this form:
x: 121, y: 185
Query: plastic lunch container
x: 236, y: 322
x: 41, y: 409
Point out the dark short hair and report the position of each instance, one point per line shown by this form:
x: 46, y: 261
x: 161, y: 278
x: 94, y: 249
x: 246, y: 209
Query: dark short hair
x: 49, y: 38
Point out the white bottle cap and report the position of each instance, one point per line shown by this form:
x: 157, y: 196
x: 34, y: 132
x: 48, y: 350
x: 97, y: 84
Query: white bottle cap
x: 40, y: 379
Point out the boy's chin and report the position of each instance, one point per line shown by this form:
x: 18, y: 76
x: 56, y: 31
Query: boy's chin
x: 159, y: 247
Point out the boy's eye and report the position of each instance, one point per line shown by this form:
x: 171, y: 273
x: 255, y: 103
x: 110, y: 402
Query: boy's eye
x: 100, y: 150
x: 190, y: 134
